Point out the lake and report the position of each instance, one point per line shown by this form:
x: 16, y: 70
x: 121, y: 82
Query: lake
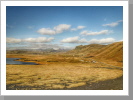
x: 12, y: 61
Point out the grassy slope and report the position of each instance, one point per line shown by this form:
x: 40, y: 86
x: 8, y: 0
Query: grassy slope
x: 110, y: 54
x: 83, y: 50
x: 113, y: 52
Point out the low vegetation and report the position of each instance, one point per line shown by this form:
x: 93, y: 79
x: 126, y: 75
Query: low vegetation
x: 63, y: 70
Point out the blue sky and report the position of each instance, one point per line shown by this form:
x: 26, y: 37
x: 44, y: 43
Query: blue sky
x: 41, y: 27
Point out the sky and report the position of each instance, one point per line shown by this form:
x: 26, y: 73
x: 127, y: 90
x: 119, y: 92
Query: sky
x: 62, y: 27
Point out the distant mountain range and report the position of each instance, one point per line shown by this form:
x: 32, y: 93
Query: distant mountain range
x: 112, y: 51
x: 35, y: 51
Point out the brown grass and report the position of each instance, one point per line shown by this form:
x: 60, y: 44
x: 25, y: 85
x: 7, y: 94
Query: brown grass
x: 56, y: 72
x: 110, y: 52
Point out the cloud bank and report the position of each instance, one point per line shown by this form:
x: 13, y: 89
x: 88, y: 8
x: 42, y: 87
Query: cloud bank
x: 96, y: 33
x: 43, y: 42
x: 57, y: 29
x: 74, y: 40
x: 35, y: 40
x: 13, y: 40
x: 34, y: 46
x: 102, y: 41
x: 113, y: 24
x: 78, y: 27
x: 62, y: 27
x: 40, y: 39
x: 92, y: 41
x: 46, y: 31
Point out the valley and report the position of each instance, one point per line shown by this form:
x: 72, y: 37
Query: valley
x: 88, y: 67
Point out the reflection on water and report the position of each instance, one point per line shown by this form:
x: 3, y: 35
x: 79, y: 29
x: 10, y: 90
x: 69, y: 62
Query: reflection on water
x: 12, y: 61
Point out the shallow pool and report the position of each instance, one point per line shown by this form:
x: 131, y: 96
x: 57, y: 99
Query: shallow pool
x: 12, y: 61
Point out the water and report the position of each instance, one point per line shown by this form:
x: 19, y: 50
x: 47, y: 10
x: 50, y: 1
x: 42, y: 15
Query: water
x: 12, y: 61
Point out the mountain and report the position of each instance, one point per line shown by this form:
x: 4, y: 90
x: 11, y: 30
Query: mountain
x: 35, y: 51
x: 112, y: 51
x: 86, y: 49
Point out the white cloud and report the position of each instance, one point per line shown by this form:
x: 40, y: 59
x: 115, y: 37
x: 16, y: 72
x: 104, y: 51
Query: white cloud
x: 83, y: 41
x: 70, y: 40
x: 96, y: 33
x: 74, y: 40
x: 57, y: 29
x: 102, y: 41
x: 73, y: 29
x: 46, y: 31
x: 113, y: 24
x: 93, y: 41
x: 78, y: 27
x: 120, y: 21
x: 36, y: 40
x: 84, y: 32
x: 40, y: 39
x: 62, y: 27
x: 13, y: 40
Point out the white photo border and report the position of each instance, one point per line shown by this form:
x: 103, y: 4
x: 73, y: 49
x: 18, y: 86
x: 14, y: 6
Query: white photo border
x: 123, y: 92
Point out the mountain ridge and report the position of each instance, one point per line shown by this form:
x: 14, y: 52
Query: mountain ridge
x: 112, y: 51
